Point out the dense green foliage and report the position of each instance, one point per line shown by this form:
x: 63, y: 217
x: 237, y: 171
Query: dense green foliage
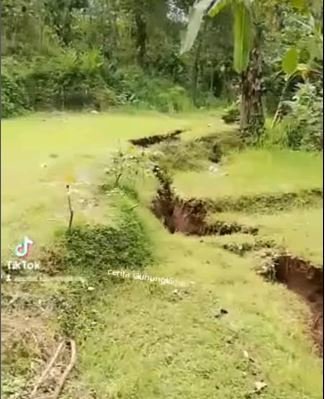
x: 98, y: 54
x: 82, y: 54
x: 92, y: 251
x: 296, y: 28
x: 303, y: 125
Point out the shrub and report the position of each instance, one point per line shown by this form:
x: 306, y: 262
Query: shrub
x: 125, y: 167
x: 93, y: 250
x: 304, y: 124
x: 100, y: 248
x: 77, y: 80
x: 14, y: 99
x: 231, y: 113
x: 66, y: 81
x: 134, y: 86
x: 174, y: 99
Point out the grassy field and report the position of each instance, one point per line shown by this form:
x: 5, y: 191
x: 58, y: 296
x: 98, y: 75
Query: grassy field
x: 300, y: 231
x: 42, y: 153
x: 152, y: 341
x: 254, y: 172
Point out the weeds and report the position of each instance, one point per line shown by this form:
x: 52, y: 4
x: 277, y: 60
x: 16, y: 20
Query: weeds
x: 91, y: 252
x: 194, y: 155
x: 265, y: 203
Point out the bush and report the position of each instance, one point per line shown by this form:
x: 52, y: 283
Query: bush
x: 174, y: 99
x: 136, y: 87
x: 14, y: 99
x: 78, y: 80
x: 92, y: 250
x: 231, y: 113
x: 97, y: 249
x: 302, y: 127
x: 304, y: 124
x: 69, y: 81
x: 66, y: 81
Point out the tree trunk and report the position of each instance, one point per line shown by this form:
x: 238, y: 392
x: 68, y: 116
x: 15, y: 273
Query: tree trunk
x: 251, y: 109
x: 195, y: 71
x: 141, y: 37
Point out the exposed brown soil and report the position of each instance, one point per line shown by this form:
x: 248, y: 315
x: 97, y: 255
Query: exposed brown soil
x: 306, y: 281
x: 188, y: 216
x: 158, y: 138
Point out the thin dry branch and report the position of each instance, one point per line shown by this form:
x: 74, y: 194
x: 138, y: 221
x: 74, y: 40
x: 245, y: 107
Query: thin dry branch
x: 70, y: 207
x: 47, y: 369
x: 67, y: 370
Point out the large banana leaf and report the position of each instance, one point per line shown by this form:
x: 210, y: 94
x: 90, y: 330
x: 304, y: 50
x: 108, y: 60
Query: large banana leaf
x: 242, y: 27
x: 242, y: 36
x: 199, y: 9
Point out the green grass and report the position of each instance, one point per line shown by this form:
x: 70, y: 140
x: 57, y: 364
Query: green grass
x: 253, y: 172
x: 154, y: 343
x: 150, y: 341
x: 299, y: 231
x: 34, y: 198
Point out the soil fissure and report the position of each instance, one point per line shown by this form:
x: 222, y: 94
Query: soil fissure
x: 158, y: 138
x: 188, y: 216
x: 305, y: 280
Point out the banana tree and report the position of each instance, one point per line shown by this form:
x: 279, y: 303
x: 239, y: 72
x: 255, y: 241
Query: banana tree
x: 247, y: 54
x: 311, y: 45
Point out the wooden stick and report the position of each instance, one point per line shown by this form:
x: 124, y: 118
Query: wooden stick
x: 70, y: 208
x: 47, y: 369
x: 67, y: 370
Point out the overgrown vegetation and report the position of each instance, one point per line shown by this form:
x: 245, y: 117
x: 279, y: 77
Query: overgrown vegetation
x: 98, y: 55
x: 255, y: 26
x: 90, y: 252
x: 93, y: 250
x: 302, y: 126
x: 180, y: 197
x: 196, y: 154
x: 95, y: 55
x: 137, y: 331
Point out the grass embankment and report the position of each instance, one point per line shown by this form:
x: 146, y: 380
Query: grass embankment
x: 279, y: 192
x: 138, y: 339
x: 170, y: 342
x: 299, y: 231
x: 254, y: 172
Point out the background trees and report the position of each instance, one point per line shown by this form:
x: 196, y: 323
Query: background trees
x: 99, y: 53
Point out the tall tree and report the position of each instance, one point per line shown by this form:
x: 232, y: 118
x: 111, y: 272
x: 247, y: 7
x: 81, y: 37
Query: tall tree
x: 247, y: 55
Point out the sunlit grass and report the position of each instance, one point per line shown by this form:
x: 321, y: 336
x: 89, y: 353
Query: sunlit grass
x: 299, y: 231
x: 42, y: 152
x: 252, y: 172
x: 151, y: 341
